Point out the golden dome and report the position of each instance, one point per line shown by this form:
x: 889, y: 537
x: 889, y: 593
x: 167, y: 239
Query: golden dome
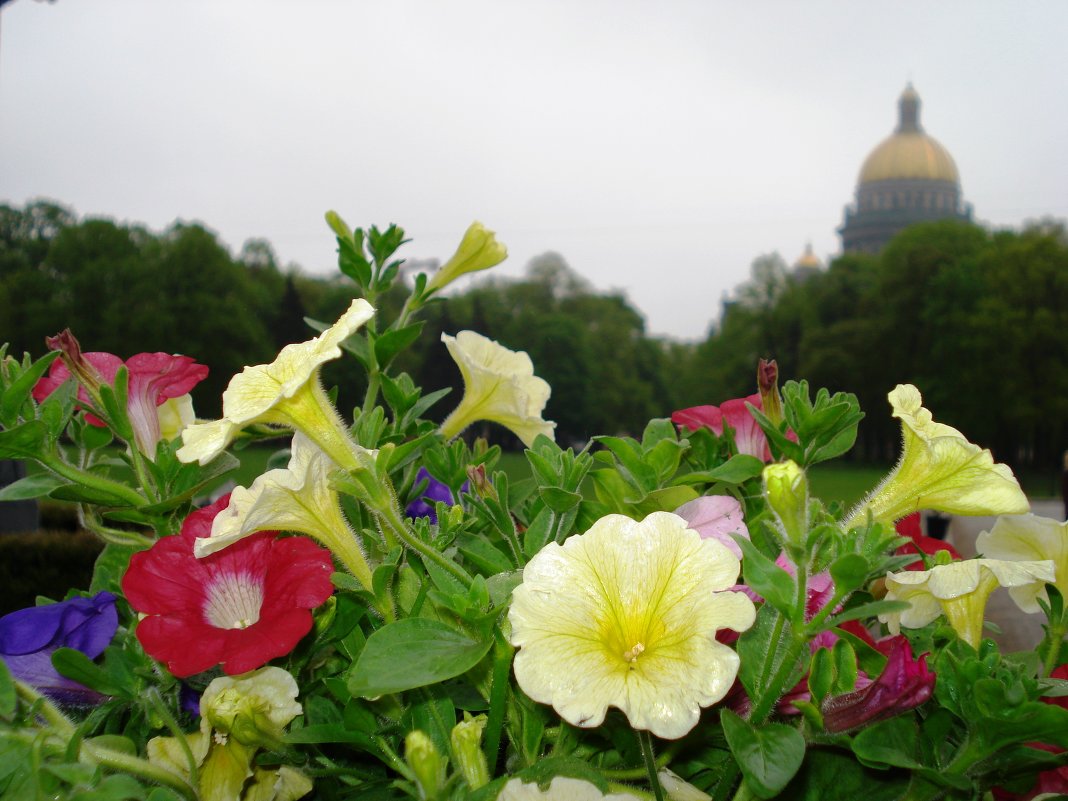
x: 808, y: 259
x: 909, y: 153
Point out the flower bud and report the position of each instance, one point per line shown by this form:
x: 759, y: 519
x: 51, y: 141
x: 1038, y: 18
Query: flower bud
x: 338, y: 226
x: 479, y: 250
x: 426, y: 763
x: 466, y: 741
x: 786, y: 490
x: 253, y: 708
x: 70, y: 351
x: 768, y: 384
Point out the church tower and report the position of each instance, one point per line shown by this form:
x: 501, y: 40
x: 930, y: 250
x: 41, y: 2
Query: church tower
x: 908, y: 178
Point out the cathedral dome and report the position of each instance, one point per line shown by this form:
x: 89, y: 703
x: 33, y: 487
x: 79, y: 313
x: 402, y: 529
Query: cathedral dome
x: 909, y: 154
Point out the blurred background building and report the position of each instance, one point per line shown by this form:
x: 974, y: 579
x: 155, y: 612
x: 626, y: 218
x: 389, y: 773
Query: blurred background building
x: 908, y: 178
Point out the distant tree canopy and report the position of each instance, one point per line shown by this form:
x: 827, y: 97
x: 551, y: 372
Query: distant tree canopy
x: 976, y: 319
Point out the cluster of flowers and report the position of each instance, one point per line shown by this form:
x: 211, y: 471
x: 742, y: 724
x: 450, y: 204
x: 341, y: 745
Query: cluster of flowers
x: 639, y: 613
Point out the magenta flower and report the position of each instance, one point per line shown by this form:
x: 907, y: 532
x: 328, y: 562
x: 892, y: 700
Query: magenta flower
x: 29, y: 637
x: 154, y: 379
x: 748, y: 436
x: 904, y: 683
x: 240, y: 607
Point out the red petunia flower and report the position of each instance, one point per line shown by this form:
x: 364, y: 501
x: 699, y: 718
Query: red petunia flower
x: 154, y: 378
x: 240, y: 607
x: 921, y: 544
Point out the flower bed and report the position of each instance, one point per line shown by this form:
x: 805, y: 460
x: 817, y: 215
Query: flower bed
x: 388, y: 617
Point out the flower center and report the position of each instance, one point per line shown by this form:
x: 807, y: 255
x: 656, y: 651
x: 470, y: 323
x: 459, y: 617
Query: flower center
x: 632, y: 654
x: 234, y: 601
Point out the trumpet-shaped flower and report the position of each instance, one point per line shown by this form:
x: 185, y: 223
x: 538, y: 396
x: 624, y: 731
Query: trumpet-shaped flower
x: 286, y: 392
x: 716, y: 517
x: 499, y: 386
x: 29, y: 637
x: 748, y: 436
x: 959, y: 590
x: 1029, y: 538
x: 904, y: 683
x: 561, y: 788
x: 626, y: 615
x: 241, y: 607
x: 479, y: 250
x: 158, y: 402
x: 939, y: 469
x: 296, y: 498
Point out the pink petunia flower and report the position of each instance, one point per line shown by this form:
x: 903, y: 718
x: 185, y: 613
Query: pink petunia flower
x: 904, y: 683
x: 716, y: 517
x: 240, y: 607
x: 748, y: 436
x: 154, y: 379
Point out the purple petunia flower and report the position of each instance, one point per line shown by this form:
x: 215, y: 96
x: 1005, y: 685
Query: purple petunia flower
x: 424, y: 505
x: 29, y: 637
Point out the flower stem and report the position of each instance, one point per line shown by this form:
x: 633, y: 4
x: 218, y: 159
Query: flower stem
x: 138, y: 767
x: 645, y: 740
x: 1055, y: 634
x: 502, y: 668
x: 161, y: 709
x: 64, y: 470
x: 45, y: 708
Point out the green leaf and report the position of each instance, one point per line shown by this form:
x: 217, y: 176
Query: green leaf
x: 821, y: 675
x: 769, y: 756
x: 19, y: 390
x: 80, y: 493
x: 764, y: 649
x: 413, y: 652
x: 736, y: 470
x: 30, y: 487
x: 767, y: 579
x: 392, y: 342
x: 486, y: 557
x: 77, y: 666
x: 23, y: 441
x: 849, y: 572
x: 7, y: 692
x: 111, y: 566
x: 560, y: 500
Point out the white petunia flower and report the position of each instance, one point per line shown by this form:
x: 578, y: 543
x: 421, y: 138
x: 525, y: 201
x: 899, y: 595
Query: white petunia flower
x: 959, y: 590
x: 499, y: 386
x: 286, y: 392
x: 1029, y: 538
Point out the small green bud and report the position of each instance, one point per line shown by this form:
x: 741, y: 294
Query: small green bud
x: 338, y: 226
x: 426, y: 763
x: 479, y: 250
x: 786, y: 490
x: 466, y: 741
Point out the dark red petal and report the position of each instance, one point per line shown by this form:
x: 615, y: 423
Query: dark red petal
x: 298, y: 573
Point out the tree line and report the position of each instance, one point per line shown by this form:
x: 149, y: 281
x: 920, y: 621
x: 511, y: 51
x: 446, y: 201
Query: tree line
x: 975, y: 318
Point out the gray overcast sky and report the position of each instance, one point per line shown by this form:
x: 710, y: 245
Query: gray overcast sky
x: 659, y: 147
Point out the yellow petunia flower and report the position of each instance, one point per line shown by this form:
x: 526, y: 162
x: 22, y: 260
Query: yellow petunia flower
x: 1029, y: 538
x: 626, y: 615
x: 499, y: 385
x: 939, y: 469
x: 958, y: 590
x: 287, y: 392
x: 296, y: 498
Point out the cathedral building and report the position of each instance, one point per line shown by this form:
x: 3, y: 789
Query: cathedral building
x: 908, y: 178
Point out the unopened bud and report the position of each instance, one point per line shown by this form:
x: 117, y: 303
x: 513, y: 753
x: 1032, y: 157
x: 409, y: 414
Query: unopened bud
x: 480, y: 483
x: 428, y: 766
x: 70, y: 351
x: 786, y: 490
x: 479, y: 250
x: 466, y: 741
x: 338, y: 226
x: 768, y: 385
